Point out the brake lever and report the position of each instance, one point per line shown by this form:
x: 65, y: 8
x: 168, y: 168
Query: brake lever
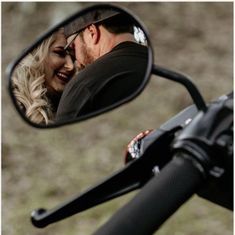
x: 133, y: 176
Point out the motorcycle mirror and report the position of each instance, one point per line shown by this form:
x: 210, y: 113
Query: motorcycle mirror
x: 91, y: 63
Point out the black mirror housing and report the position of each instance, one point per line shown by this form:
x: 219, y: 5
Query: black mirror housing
x: 117, y: 75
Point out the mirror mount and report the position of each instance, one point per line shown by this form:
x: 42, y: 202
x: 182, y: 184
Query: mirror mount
x: 183, y: 80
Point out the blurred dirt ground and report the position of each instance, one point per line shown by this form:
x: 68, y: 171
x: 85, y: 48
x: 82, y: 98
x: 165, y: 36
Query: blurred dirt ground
x: 42, y: 168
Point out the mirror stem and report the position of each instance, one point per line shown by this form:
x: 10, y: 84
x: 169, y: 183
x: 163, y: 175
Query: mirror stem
x: 182, y: 79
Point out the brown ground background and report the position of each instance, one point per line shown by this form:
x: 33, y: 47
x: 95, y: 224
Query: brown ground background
x: 42, y: 168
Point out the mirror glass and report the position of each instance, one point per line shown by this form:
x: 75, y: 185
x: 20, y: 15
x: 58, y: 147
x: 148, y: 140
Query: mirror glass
x: 91, y: 63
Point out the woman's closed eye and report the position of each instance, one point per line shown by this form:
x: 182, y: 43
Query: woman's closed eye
x: 60, y: 52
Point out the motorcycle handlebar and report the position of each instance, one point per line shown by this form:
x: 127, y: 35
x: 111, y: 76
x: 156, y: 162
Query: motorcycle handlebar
x: 158, y: 199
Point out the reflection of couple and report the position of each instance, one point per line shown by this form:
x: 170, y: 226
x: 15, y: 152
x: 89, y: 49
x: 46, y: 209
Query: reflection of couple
x: 110, y: 62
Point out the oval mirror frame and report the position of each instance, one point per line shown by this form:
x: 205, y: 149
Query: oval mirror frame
x: 13, y: 65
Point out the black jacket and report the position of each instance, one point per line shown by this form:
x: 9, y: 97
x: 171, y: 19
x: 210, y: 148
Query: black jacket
x: 109, y: 79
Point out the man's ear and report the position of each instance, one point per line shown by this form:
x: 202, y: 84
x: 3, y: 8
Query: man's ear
x: 94, y: 33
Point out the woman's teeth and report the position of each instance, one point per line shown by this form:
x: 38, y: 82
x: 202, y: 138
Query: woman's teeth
x: 62, y: 76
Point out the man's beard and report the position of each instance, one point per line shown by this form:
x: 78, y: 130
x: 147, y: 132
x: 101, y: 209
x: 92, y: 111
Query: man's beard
x: 88, y: 57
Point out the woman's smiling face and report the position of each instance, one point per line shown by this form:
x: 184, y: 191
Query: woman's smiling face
x: 59, y: 67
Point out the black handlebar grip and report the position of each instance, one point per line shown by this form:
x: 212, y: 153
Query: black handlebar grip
x: 157, y: 200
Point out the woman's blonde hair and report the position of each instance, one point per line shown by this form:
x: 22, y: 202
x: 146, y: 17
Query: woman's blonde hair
x: 29, y: 85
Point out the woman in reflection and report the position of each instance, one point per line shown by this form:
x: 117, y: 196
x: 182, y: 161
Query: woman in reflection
x: 40, y: 78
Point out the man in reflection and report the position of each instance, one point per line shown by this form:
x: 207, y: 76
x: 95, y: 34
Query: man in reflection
x: 112, y: 64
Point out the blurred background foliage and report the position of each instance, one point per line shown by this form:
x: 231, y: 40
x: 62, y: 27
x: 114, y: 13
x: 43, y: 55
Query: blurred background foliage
x: 42, y: 168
